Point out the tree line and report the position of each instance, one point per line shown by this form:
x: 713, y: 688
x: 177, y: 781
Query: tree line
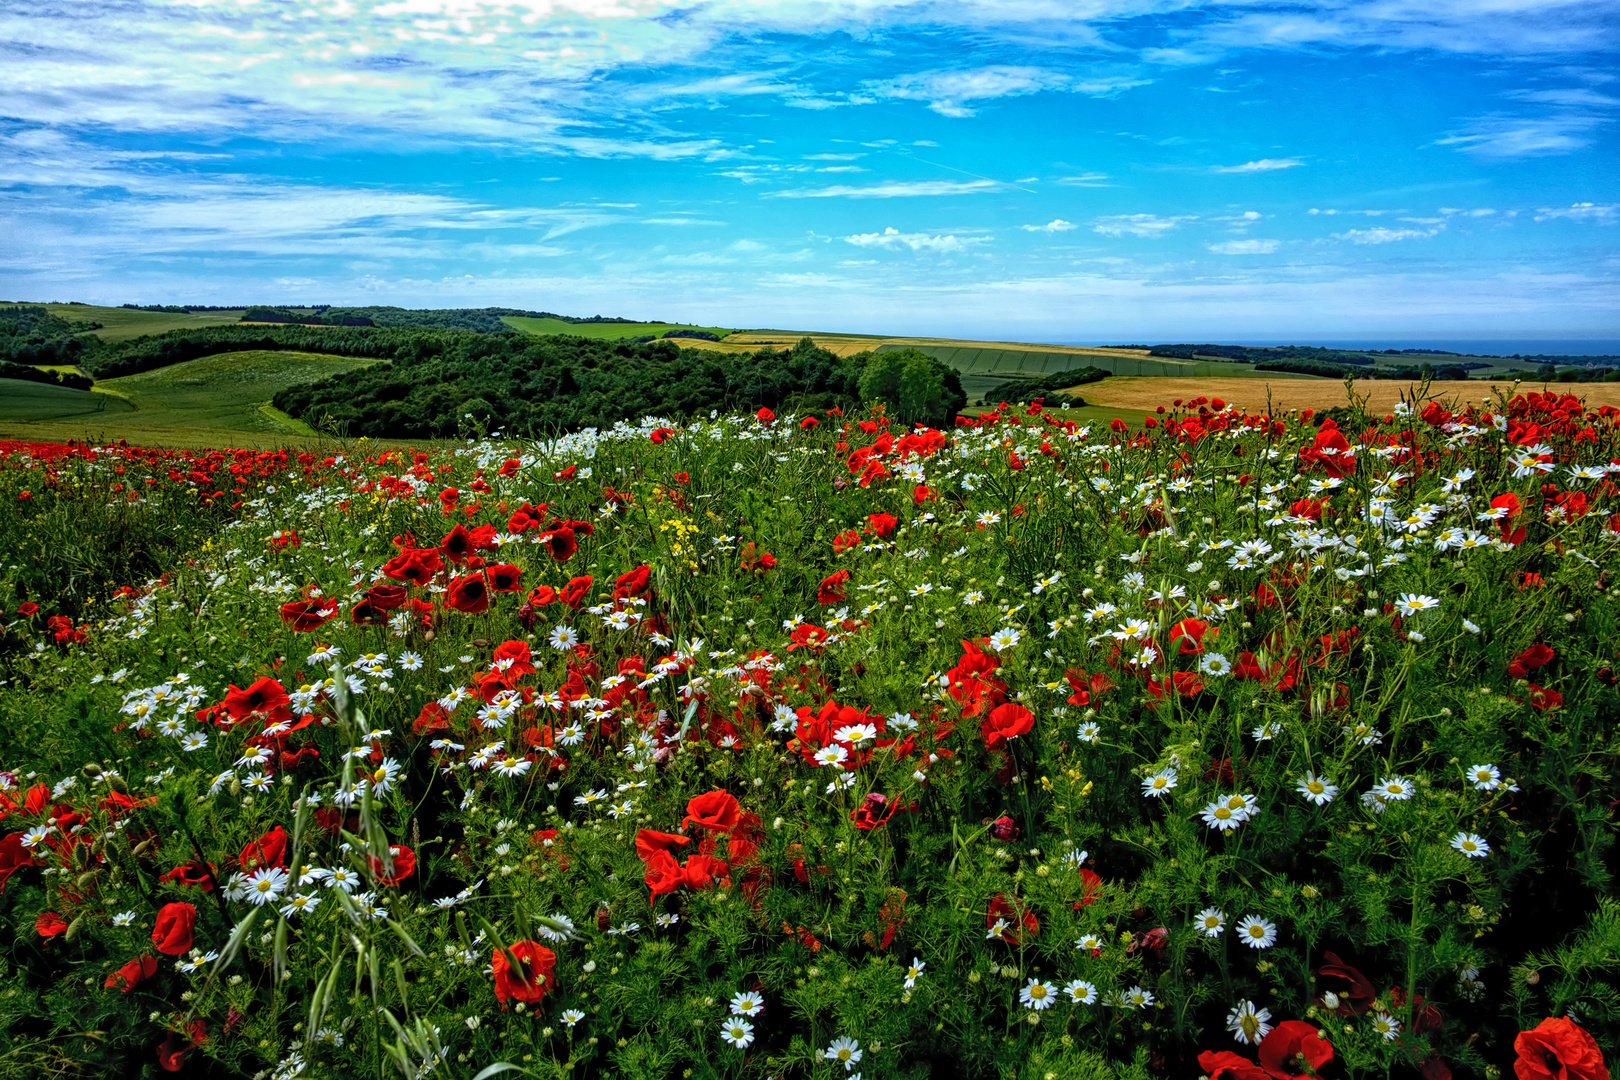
x: 524, y: 386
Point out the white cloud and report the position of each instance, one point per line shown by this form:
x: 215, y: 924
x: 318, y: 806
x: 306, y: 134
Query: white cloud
x: 1148, y: 225
x: 894, y: 189
x: 947, y: 92
x: 1478, y: 212
x: 1263, y: 165
x: 1595, y: 213
x: 1056, y: 225
x: 892, y: 238
x: 1381, y: 235
x: 1524, y: 137
x: 1245, y: 247
x: 1084, y: 180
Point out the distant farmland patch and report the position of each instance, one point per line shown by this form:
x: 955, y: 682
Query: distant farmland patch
x: 30, y: 401
x: 603, y: 331
x: 121, y: 324
x: 220, y: 400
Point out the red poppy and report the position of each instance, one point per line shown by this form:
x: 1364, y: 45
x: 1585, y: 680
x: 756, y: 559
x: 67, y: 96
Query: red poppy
x: 882, y: 526
x: 191, y: 875
x: 1188, y: 634
x: 433, y: 717
x: 845, y: 540
x: 701, y: 870
x: 573, y: 593
x: 308, y: 614
x: 1357, y: 995
x: 268, y: 850
x: 650, y: 841
x: 660, y: 434
x: 717, y: 811
x: 503, y: 578
x: 172, y: 1053
x: 765, y: 416
x: 468, y: 594
x: 404, y: 865
x: 27, y: 609
x: 1544, y: 699
x: 415, y: 565
x: 49, y: 924
x: 664, y: 874
x: 13, y: 857
x: 873, y: 812
x: 1017, y: 921
x: 266, y: 696
x: 1004, y: 829
x: 1292, y: 1045
x: 132, y: 974
x: 172, y: 934
x: 832, y: 588
x: 386, y: 597
x: 458, y: 544
x: 1558, y: 1049
x: 1007, y: 721
x: 808, y: 422
x: 1225, y: 1065
x: 633, y: 583
x: 1535, y: 656
x: 807, y: 636
x: 532, y: 978
x: 561, y: 543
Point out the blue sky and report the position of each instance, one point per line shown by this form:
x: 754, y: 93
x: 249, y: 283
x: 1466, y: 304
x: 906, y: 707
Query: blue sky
x: 1018, y: 169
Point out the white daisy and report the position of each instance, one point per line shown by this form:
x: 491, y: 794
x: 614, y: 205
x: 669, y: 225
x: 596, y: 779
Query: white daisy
x: 747, y: 1003
x: 1159, y: 784
x: 265, y: 885
x: 1037, y: 995
x: 1317, y: 789
x: 1248, y: 1024
x: 738, y: 1033
x: 1210, y: 922
x: 1471, y: 845
x: 1256, y: 932
x: 1081, y: 992
x: 844, y: 1051
x: 563, y: 638
x: 1485, y: 777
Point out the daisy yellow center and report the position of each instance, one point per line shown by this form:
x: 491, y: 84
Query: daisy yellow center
x: 1211, y: 922
x: 1316, y: 787
x: 843, y: 1055
x: 1037, y: 992
x: 1257, y: 931
x: 1158, y: 781
x: 1223, y: 813
x: 264, y: 885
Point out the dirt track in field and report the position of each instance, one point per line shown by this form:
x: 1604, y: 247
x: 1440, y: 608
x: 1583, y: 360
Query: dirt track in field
x: 1130, y: 392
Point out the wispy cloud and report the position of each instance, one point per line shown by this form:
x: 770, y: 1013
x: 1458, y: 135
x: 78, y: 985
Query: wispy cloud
x: 1381, y: 235
x: 893, y: 238
x: 1056, y: 225
x: 1524, y: 137
x: 1146, y: 225
x: 948, y: 92
x: 1263, y: 165
x: 1245, y: 247
x: 894, y: 189
x: 1090, y: 180
x: 1593, y: 213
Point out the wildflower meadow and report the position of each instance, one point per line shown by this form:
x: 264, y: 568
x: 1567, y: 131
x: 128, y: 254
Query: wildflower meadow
x: 821, y: 746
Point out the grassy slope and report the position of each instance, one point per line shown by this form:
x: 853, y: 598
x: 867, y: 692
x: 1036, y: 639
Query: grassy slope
x: 216, y: 401
x: 121, y: 324
x: 25, y: 401
x: 602, y: 331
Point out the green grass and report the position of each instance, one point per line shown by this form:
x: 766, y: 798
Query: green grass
x: 121, y: 324
x: 26, y: 401
x: 602, y: 331
x: 216, y: 401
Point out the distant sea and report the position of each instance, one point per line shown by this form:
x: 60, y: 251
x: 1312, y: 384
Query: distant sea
x: 1490, y: 347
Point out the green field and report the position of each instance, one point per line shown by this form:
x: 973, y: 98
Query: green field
x: 121, y: 324
x: 601, y: 331
x: 27, y: 401
x: 219, y: 400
